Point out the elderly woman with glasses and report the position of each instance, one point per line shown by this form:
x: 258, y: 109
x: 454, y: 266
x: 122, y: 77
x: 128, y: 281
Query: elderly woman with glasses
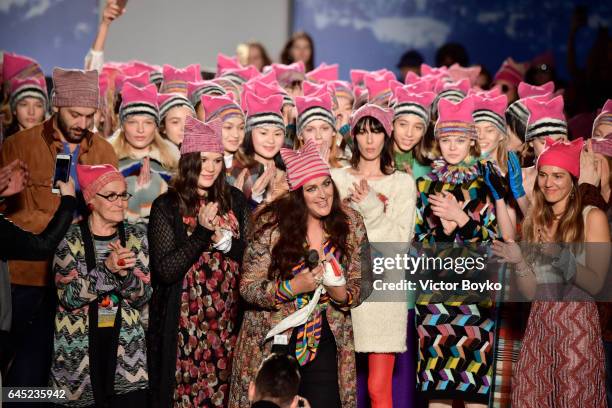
x: 101, y: 270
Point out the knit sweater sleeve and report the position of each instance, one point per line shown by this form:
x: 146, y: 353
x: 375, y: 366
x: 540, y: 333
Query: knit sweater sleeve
x: 136, y: 286
x: 171, y: 256
x: 482, y: 225
x: 389, y: 214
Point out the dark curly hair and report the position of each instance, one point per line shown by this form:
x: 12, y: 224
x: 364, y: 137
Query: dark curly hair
x: 289, y: 214
x: 185, y: 186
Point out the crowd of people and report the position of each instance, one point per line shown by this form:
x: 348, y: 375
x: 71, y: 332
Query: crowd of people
x: 212, y: 244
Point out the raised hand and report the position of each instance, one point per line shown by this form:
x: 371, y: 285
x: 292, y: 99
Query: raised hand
x: 145, y: 173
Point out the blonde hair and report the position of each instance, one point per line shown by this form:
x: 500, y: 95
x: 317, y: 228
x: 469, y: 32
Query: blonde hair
x: 167, y: 157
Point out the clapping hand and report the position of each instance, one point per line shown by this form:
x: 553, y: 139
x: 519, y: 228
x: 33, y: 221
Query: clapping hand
x: 13, y: 178
x: 120, y: 259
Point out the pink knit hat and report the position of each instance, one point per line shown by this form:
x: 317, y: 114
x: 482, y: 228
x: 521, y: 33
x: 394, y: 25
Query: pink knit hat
x: 563, y: 154
x: 240, y: 75
x: 138, y: 101
x: 545, y: 118
x: 604, y: 116
x: 491, y: 110
x: 511, y: 72
x: 490, y: 94
x: 304, y: 165
x: 452, y: 90
x: 176, y: 79
x: 263, y: 112
x: 221, y: 107
x: 455, y: 119
x: 75, y: 88
x: 225, y: 62
x: 314, y: 108
x: 526, y: 90
x: 323, y: 73
x: 407, y: 102
x: 265, y: 90
x: 456, y: 73
x: 166, y: 102
x: 136, y: 67
x: 342, y: 89
x: 32, y: 87
x: 20, y: 67
x: 141, y: 80
x: 357, y: 76
x: 426, y: 84
x: 287, y: 74
x: 195, y: 90
x: 383, y: 115
x: 202, y: 137
x: 427, y: 70
x: 378, y: 88
x: 311, y: 88
x: 93, y: 178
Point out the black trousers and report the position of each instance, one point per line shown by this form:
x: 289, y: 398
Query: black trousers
x: 319, y: 384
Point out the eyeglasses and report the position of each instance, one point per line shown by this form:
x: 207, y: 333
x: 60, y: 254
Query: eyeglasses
x: 114, y: 196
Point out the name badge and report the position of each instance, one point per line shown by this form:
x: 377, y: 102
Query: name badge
x: 106, y: 316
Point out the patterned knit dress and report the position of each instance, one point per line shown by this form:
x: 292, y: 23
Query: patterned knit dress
x: 455, y: 335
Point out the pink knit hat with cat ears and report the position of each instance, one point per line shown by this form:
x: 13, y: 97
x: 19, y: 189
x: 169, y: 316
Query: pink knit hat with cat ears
x: 490, y: 94
x: 140, y: 80
x: 263, y: 112
x: 357, y: 76
x: 173, y: 100
x: 323, y: 73
x: 20, y: 67
x: 378, y: 88
x: 265, y: 90
x: 134, y: 67
x: 383, y: 115
x: 455, y: 119
x: 453, y: 91
x: 240, y: 75
x: 176, y: 79
x: 225, y: 62
x: 511, y: 72
x: 139, y: 101
x: 427, y: 70
x: 456, y: 73
x: 196, y: 89
x: 407, y: 102
x: 342, y: 89
x: 93, y: 178
x: 221, y: 107
x: 491, y: 110
x: 526, y: 90
x: 287, y: 74
x: 604, y: 116
x: 426, y: 84
x: 33, y: 87
x: 545, y: 118
x: 563, y: 154
x: 314, y: 108
x: 202, y: 137
x: 304, y: 165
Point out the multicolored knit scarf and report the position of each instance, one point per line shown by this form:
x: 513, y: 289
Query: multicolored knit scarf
x: 460, y: 173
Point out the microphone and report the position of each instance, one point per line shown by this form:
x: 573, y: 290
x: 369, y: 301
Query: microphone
x: 312, y: 259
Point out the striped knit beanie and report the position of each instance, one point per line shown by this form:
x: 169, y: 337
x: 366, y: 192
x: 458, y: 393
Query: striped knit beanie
x: 138, y: 101
x: 545, y: 118
x: 230, y: 87
x: 176, y: 79
x: 518, y: 108
x: 491, y: 110
x: 342, y: 89
x: 202, y: 136
x: 406, y: 102
x: 263, y: 112
x: 195, y: 90
x: 304, y: 165
x: 93, y: 178
x: 171, y: 100
x: 240, y: 75
x: 314, y: 108
x: 455, y: 119
x: 75, y: 87
x: 220, y: 107
x: 32, y: 87
x: 605, y: 116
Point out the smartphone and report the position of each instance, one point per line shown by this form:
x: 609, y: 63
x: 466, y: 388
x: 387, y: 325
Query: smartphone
x: 62, y: 170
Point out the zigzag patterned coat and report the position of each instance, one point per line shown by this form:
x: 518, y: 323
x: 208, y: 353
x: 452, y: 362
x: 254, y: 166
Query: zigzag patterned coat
x: 77, y: 289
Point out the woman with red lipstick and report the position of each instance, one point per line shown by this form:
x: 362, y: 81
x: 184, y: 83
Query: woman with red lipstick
x: 454, y: 206
x: 197, y: 235
x: 258, y: 171
x: 146, y: 160
x: 299, y: 305
x: 561, y: 360
x: 386, y: 200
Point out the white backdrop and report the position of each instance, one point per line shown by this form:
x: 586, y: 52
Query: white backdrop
x: 180, y: 32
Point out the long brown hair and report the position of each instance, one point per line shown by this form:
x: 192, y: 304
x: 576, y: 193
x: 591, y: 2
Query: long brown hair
x: 571, y: 223
x: 185, y: 186
x: 289, y: 214
x: 286, y: 54
x: 262, y: 50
